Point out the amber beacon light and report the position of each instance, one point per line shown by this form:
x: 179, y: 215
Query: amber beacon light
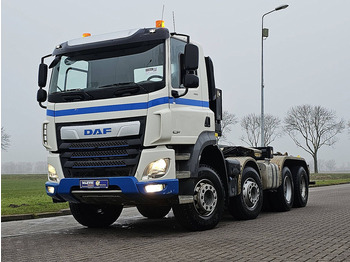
x: 160, y: 23
x: 86, y: 34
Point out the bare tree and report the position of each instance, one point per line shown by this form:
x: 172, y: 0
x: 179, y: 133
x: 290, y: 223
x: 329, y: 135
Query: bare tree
x: 312, y: 127
x: 5, y: 139
x: 227, y: 121
x: 251, y: 126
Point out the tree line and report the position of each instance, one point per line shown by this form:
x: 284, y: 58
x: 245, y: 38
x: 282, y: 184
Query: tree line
x: 310, y: 128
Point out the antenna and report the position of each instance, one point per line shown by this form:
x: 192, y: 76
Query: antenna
x: 174, y: 21
x: 163, y: 12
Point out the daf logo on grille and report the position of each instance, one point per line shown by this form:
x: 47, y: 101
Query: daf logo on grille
x: 97, y: 131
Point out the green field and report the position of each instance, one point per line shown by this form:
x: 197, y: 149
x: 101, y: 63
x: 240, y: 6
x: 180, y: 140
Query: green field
x: 25, y: 194
x: 330, y: 179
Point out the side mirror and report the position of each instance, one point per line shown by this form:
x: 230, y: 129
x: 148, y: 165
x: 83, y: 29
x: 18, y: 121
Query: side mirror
x: 41, y: 95
x: 191, y: 57
x: 42, y: 77
x: 191, y: 81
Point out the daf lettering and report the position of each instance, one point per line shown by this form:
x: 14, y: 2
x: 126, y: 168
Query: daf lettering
x: 97, y: 131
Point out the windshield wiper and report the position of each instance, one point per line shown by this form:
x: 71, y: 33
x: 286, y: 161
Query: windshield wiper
x: 76, y: 94
x: 128, y: 87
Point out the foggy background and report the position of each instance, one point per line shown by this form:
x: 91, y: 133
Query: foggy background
x: 306, y: 60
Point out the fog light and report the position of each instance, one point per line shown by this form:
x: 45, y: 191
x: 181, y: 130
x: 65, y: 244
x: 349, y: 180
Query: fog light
x: 156, y: 169
x: 154, y: 188
x: 52, y: 174
x: 50, y: 189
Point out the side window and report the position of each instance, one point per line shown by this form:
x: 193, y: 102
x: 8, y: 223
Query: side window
x: 76, y: 79
x: 72, y: 75
x: 177, y: 47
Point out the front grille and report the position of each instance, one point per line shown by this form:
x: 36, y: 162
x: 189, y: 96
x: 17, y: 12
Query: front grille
x: 95, y: 154
x: 108, y: 157
x: 90, y: 145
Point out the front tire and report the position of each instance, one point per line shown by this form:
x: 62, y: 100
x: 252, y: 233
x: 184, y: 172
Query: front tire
x: 153, y: 211
x: 207, y: 209
x: 95, y: 215
x: 301, y: 188
x: 248, y: 204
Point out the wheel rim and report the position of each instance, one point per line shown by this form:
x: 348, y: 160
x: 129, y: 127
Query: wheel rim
x: 205, y: 197
x: 251, y: 193
x: 303, y: 189
x: 288, y: 189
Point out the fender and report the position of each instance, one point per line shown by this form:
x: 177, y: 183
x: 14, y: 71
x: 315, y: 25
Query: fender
x: 204, y: 140
x: 204, y: 151
x: 290, y: 162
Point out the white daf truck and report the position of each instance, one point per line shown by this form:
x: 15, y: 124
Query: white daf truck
x: 133, y: 118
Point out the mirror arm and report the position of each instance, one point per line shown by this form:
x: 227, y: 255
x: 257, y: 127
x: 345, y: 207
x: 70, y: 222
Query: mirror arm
x: 175, y: 93
x: 42, y: 106
x: 43, y: 58
x: 42, y: 61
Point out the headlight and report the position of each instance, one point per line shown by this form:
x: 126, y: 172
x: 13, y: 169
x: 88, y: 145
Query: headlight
x: 156, y: 169
x: 52, y: 174
x: 154, y: 188
x: 50, y: 189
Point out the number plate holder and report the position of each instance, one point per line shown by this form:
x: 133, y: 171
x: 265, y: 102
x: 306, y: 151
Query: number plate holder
x: 94, y: 184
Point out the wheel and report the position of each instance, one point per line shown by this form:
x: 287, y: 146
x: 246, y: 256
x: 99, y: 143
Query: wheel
x: 153, y: 211
x: 207, y: 209
x: 284, y: 197
x: 301, y: 188
x: 248, y: 204
x: 95, y: 215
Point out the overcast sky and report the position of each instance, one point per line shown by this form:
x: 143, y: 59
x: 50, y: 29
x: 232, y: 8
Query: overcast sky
x: 307, y: 56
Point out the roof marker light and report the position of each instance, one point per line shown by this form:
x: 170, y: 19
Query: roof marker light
x: 86, y: 34
x: 160, y: 23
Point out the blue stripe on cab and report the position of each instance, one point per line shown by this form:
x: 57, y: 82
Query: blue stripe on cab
x: 125, y: 107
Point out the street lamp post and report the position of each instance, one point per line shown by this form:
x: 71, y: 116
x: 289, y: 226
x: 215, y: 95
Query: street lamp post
x: 264, y: 34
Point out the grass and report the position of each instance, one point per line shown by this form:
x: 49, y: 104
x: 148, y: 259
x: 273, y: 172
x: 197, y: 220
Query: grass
x: 25, y: 194
x: 330, y: 179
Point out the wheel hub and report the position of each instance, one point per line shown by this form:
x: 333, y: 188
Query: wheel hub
x: 251, y: 193
x: 303, y: 190
x: 288, y: 189
x: 205, y: 197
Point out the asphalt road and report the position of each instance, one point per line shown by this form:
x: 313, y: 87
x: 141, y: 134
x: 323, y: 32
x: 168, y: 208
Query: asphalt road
x: 318, y: 232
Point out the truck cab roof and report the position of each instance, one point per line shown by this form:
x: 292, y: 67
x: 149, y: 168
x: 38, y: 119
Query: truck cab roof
x: 111, y: 40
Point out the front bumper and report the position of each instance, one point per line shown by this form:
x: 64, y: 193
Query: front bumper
x: 121, y: 190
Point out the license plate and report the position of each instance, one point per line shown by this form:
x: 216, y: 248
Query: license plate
x: 93, y: 184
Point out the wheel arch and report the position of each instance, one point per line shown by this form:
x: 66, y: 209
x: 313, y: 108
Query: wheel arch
x: 246, y: 162
x: 293, y: 163
x: 212, y: 156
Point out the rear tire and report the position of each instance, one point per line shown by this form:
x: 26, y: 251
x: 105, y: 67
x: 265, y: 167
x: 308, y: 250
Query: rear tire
x: 284, y: 197
x: 301, y: 188
x: 207, y: 209
x: 153, y: 211
x: 248, y: 204
x: 95, y: 215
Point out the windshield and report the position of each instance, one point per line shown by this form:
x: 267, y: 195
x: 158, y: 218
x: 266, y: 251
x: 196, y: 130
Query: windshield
x: 129, y: 70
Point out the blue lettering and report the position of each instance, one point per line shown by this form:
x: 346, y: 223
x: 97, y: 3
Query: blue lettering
x: 97, y: 132
x: 107, y: 130
x: 87, y: 132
